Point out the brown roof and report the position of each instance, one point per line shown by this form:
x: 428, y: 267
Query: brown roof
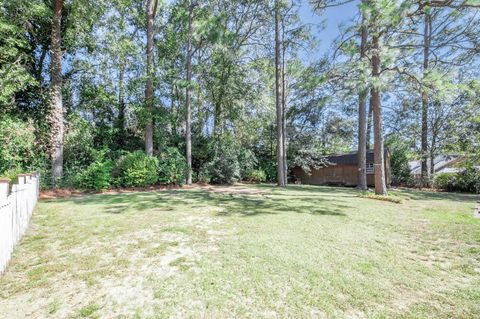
x: 348, y: 158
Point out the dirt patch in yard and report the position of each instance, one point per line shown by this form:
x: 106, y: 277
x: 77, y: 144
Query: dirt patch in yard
x: 233, y: 190
x: 121, y: 280
x: 68, y: 192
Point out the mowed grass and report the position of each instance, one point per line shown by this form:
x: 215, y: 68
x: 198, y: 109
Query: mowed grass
x: 300, y: 252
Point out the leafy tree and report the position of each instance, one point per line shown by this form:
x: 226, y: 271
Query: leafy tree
x: 399, y: 157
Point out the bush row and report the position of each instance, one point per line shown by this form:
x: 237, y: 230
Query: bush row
x: 230, y: 163
x: 466, y: 181
x: 134, y: 169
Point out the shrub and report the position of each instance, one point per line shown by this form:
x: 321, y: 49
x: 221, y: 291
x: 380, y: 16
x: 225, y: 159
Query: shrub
x: 469, y: 180
x: 466, y: 181
x: 172, y: 166
x: 224, y: 168
x: 136, y: 169
x: 97, y: 176
x: 445, y: 181
x: 256, y: 176
x: 270, y: 169
x: 204, y: 177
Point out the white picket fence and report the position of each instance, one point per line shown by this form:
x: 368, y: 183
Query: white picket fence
x: 16, y: 206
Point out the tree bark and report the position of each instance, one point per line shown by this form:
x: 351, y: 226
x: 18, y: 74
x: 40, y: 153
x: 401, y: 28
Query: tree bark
x: 425, y: 180
x: 369, y: 122
x: 432, y: 151
x: 151, y: 7
x: 432, y: 163
x: 121, y: 105
x: 56, y: 104
x: 362, y: 97
x: 188, y: 130
x: 278, y: 102
x: 284, y: 105
x: 379, y: 162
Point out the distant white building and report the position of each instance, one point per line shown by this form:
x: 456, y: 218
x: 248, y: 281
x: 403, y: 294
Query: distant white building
x: 442, y: 164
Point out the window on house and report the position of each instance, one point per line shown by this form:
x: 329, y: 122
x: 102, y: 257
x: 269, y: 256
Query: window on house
x: 369, y: 168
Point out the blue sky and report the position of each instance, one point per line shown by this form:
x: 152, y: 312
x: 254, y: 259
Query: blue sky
x: 331, y: 19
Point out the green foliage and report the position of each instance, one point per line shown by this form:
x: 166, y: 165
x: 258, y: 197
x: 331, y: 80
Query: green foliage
x: 204, y: 177
x: 399, y: 152
x: 256, y: 176
x: 445, y: 181
x: 270, y: 169
x: 17, y: 145
x: 308, y: 159
x: 466, y: 181
x: 172, y: 166
x: 11, y: 174
x: 225, y: 167
x: 14, y: 75
x: 247, y: 160
x: 136, y: 169
x: 232, y: 86
x: 97, y: 176
x: 79, y: 149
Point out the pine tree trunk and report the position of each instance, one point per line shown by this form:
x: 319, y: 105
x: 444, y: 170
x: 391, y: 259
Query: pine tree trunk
x: 379, y: 162
x: 188, y: 131
x: 149, y: 83
x: 56, y: 115
x: 432, y: 153
x: 121, y: 105
x: 362, y: 133
x: 284, y: 106
x: 425, y: 180
x: 369, y: 122
x: 278, y: 102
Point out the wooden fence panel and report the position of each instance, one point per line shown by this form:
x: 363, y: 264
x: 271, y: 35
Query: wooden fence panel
x: 16, y: 208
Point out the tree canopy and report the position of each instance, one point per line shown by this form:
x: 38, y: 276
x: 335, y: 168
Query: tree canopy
x: 233, y: 90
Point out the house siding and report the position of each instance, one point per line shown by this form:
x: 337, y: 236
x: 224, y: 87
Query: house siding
x: 338, y: 174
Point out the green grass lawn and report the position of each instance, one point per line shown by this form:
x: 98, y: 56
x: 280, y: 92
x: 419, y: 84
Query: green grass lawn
x: 248, y: 252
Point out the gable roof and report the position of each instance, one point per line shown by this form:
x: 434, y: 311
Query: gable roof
x: 441, y: 162
x: 350, y: 158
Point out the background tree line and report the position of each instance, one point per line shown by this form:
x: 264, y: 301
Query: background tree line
x: 114, y: 92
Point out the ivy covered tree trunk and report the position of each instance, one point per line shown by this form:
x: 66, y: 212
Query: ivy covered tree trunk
x: 362, y: 101
x: 151, y: 7
x: 188, y: 114
x: 278, y: 102
x: 379, y: 162
x: 426, y: 51
x: 56, y: 104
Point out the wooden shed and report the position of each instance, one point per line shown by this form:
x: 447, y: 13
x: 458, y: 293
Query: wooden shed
x: 340, y: 169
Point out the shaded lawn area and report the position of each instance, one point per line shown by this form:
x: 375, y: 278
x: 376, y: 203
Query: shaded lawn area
x: 303, y: 252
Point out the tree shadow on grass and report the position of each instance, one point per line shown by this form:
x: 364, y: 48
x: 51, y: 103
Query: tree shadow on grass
x: 314, y: 189
x: 414, y: 194
x: 230, y: 204
x: 339, y: 191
